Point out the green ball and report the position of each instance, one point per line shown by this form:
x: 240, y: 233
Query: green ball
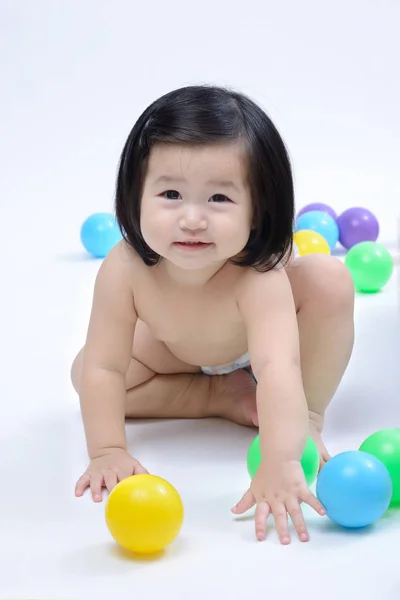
x: 309, y: 460
x: 385, y: 445
x: 370, y: 265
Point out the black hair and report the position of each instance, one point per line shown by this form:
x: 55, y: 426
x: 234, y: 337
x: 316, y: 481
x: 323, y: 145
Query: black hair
x: 206, y: 114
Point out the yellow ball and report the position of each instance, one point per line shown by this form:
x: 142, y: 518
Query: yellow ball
x: 144, y: 513
x: 310, y: 242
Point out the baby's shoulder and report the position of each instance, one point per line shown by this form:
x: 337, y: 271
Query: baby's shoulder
x: 254, y: 281
x: 122, y: 263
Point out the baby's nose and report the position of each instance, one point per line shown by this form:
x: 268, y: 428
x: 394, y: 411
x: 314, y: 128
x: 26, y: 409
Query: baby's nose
x: 193, y: 220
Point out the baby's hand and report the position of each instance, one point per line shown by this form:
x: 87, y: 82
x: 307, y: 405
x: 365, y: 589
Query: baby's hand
x: 278, y: 488
x: 106, y: 471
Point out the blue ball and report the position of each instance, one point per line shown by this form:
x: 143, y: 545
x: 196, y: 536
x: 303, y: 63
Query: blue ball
x: 321, y: 222
x: 355, y: 488
x: 99, y: 233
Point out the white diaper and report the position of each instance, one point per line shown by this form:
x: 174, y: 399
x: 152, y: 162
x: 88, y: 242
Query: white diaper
x: 240, y: 363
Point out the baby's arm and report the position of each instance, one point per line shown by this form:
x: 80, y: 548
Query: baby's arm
x: 267, y: 305
x: 106, y: 358
x: 269, y: 312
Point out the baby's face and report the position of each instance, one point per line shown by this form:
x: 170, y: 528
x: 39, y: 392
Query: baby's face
x: 196, y: 193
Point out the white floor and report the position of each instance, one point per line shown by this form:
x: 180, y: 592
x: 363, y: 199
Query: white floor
x: 56, y: 546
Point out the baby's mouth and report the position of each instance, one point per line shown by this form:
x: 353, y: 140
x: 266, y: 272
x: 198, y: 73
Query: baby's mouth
x: 192, y: 245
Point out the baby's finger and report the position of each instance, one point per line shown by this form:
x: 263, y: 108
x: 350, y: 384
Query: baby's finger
x: 82, y: 484
x: 312, y: 501
x: 281, y: 522
x: 96, y: 484
x: 110, y: 479
x: 262, y: 512
x: 245, y: 503
x: 139, y: 469
x: 296, y: 515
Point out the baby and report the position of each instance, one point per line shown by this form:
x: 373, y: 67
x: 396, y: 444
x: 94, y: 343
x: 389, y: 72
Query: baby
x: 202, y: 310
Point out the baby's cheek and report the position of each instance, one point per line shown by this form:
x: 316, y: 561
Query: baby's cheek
x: 244, y: 228
x: 154, y: 229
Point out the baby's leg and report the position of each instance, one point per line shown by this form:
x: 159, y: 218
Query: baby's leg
x: 324, y: 295
x: 159, y: 385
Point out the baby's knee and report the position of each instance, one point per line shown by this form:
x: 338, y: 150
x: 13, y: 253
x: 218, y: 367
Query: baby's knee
x: 331, y: 284
x: 76, y: 371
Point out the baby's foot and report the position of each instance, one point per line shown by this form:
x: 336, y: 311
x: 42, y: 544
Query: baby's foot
x: 316, y: 425
x: 234, y: 397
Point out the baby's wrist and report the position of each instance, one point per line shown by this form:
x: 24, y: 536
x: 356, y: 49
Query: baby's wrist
x: 283, y: 449
x: 106, y: 450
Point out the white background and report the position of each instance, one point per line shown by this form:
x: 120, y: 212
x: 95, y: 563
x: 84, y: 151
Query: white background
x: 74, y: 78
x: 76, y: 75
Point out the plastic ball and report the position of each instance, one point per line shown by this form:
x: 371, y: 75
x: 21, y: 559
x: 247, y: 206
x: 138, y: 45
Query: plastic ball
x: 309, y: 460
x: 355, y: 488
x: 144, y: 513
x: 322, y: 223
x: 370, y: 265
x: 357, y: 225
x: 99, y: 233
x: 385, y: 445
x: 318, y: 206
x: 310, y: 242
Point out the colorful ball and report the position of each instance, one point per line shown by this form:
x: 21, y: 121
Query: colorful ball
x: 309, y: 460
x: 318, y: 206
x: 385, y: 445
x: 322, y: 223
x: 144, y: 513
x: 310, y: 242
x: 99, y: 233
x: 355, y: 488
x: 357, y: 225
x: 370, y: 265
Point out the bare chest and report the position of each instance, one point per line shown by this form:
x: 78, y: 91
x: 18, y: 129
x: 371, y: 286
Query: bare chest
x: 199, y: 328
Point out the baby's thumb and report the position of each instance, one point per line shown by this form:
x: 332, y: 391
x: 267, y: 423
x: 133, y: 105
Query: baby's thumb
x: 245, y: 503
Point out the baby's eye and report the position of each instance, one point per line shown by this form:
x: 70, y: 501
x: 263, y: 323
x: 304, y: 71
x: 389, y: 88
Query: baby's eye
x: 220, y: 198
x: 171, y: 195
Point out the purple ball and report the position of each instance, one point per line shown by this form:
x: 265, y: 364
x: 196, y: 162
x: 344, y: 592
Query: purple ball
x: 357, y: 225
x: 318, y: 206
